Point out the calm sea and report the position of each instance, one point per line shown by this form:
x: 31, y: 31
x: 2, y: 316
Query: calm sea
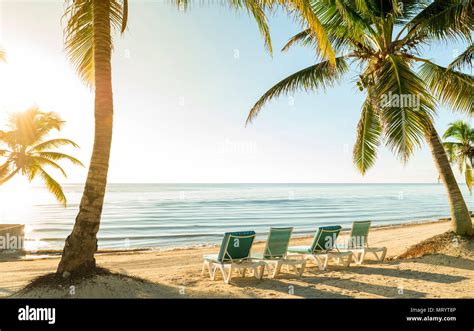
x: 178, y: 215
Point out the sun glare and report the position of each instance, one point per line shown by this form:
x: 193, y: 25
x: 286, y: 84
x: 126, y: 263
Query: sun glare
x: 17, y: 197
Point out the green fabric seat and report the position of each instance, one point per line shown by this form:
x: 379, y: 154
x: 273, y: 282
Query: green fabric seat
x: 236, y: 246
x: 359, y: 234
x: 324, y: 240
x: 234, y: 253
x: 275, y: 253
x: 323, y: 248
x: 358, y: 243
x: 277, y: 243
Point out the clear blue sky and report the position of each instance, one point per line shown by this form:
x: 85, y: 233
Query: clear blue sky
x: 182, y: 96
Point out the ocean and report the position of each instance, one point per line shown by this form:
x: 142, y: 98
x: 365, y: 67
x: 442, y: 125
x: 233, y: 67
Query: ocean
x: 180, y: 215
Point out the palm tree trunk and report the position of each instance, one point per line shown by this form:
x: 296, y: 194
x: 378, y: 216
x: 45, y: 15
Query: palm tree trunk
x: 460, y: 219
x: 81, y: 244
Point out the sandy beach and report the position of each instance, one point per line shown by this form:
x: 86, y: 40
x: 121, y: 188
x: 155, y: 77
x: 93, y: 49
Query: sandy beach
x: 177, y: 274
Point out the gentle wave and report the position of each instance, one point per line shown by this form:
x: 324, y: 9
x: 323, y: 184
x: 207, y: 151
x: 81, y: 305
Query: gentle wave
x: 179, y: 215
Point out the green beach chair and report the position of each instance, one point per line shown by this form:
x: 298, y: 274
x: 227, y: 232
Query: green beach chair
x: 358, y: 243
x: 234, y: 254
x: 323, y: 248
x: 275, y: 252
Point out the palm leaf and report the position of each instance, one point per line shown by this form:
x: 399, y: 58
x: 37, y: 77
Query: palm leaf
x: 368, y: 138
x: 312, y: 21
x: 53, y: 143
x: 53, y: 186
x: 450, y: 87
x: 451, y: 149
x: 55, y: 156
x: 42, y: 161
x: 443, y: 20
x: 318, y: 76
x: 468, y: 177
x: 459, y: 130
x: 406, y: 123
x: 79, y: 33
x: 464, y: 59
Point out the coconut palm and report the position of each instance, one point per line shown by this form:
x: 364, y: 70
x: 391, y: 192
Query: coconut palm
x: 88, y: 40
x: 461, y: 151
x: 400, y: 100
x: 28, y: 153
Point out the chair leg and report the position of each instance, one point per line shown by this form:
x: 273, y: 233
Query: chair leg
x: 277, y: 269
x: 381, y: 258
x: 204, y: 267
x: 348, y: 261
x: 212, y: 273
x: 259, y: 271
x: 227, y: 277
x: 243, y: 272
x: 324, y: 265
x: 303, y: 266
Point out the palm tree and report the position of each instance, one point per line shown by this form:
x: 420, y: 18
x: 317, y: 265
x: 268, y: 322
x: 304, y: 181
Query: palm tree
x: 88, y: 39
x: 461, y: 151
x: 28, y: 152
x: 400, y: 101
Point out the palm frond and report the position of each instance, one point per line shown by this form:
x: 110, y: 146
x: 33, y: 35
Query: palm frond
x: 79, y: 33
x: 2, y: 55
x: 56, y: 156
x: 464, y: 60
x: 406, y: 108
x: 43, y: 161
x: 459, y: 130
x: 53, y: 186
x: 31, y: 126
x: 311, y: 20
x: 368, y: 138
x: 53, y: 143
x: 318, y: 76
x: 443, y: 20
x: 452, y: 88
x: 451, y: 149
x: 6, y: 168
x: 468, y: 177
x: 79, y: 38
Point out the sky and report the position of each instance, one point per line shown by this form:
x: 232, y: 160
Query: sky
x: 183, y: 85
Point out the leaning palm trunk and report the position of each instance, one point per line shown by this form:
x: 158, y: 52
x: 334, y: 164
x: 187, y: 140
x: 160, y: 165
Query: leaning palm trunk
x: 460, y: 219
x: 81, y: 244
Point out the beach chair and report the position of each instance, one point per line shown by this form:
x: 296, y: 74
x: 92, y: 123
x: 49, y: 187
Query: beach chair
x: 323, y: 248
x: 358, y: 243
x: 234, y: 254
x: 275, y: 252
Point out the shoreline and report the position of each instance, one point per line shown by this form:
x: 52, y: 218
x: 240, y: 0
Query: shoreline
x: 46, y: 254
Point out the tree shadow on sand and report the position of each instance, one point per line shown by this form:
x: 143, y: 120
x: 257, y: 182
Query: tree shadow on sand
x: 101, y: 284
x: 408, y: 274
x: 292, y: 289
x: 380, y: 290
